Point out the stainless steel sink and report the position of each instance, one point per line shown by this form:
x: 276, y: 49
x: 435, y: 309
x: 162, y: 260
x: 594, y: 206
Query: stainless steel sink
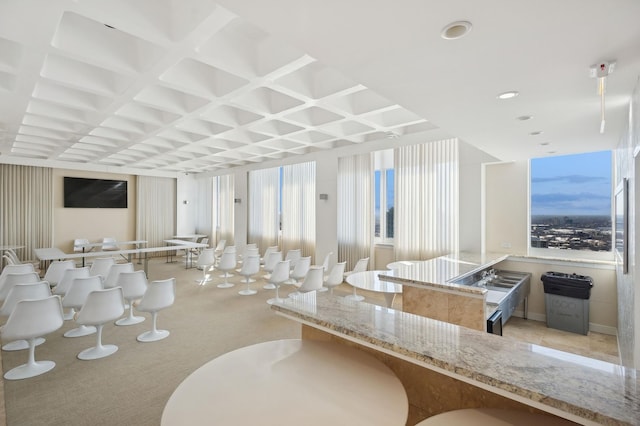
x: 514, y: 286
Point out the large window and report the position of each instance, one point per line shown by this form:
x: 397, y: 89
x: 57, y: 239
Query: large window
x: 571, y: 203
x: 383, y: 195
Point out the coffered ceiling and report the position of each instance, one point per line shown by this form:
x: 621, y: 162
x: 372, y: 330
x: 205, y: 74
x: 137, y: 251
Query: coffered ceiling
x: 167, y: 86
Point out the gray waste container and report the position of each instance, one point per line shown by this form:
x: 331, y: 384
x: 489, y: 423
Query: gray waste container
x: 566, y: 298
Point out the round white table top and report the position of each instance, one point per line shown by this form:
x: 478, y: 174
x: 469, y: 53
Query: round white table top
x: 402, y: 264
x: 368, y: 280
x: 289, y: 382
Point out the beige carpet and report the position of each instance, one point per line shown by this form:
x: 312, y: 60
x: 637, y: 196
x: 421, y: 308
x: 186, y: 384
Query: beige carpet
x: 132, y: 386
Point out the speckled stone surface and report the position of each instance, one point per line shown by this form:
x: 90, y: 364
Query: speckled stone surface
x: 594, y: 391
x: 437, y: 273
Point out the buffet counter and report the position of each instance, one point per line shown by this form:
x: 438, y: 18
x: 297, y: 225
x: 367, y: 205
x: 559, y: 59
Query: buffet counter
x: 445, y: 367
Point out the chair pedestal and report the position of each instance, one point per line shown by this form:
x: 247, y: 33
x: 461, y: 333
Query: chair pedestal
x: 354, y: 297
x: 248, y: 291
x: 99, y: 350
x: 225, y: 284
x: 277, y: 299
x: 32, y: 368
x: 69, y: 315
x: 130, y: 319
x: 83, y: 330
x: 205, y: 277
x: 20, y: 345
x: 154, y: 334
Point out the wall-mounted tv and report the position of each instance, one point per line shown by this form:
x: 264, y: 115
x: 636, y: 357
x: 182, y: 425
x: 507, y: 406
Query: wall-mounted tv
x: 95, y: 193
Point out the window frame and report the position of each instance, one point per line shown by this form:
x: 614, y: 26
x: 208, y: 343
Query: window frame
x: 563, y: 254
x: 383, y: 163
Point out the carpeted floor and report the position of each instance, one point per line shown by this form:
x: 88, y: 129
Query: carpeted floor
x: 132, y: 386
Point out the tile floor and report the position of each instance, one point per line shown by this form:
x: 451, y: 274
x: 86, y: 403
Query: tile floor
x: 595, y: 345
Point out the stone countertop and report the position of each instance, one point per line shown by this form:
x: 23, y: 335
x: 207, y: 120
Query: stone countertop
x: 438, y: 272
x: 580, y: 389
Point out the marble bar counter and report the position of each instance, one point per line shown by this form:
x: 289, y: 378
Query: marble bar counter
x: 428, y: 289
x: 440, y: 271
x: 580, y: 389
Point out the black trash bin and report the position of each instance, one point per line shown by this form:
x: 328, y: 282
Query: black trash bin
x: 566, y: 298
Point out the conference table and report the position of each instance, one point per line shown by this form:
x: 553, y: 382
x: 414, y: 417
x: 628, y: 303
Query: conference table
x: 188, y: 254
x: 289, y: 382
x: 90, y: 246
x: 49, y: 254
x: 368, y: 280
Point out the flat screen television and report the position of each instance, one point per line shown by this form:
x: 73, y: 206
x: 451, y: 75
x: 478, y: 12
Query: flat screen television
x: 95, y: 193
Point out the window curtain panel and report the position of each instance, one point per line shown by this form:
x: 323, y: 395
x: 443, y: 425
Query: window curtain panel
x: 155, y: 209
x: 355, y: 208
x: 26, y: 208
x: 204, y: 204
x: 263, y: 226
x: 299, y: 208
x: 426, y: 206
x: 223, y: 204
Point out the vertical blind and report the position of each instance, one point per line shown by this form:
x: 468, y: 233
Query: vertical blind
x: 155, y: 209
x: 264, y: 200
x: 426, y: 206
x: 223, y: 188
x: 26, y: 207
x: 355, y: 193
x: 299, y: 208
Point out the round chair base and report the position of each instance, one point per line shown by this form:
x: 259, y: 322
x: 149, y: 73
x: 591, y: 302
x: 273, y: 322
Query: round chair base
x: 320, y: 290
x: 354, y: 298
x: 269, y: 287
x: 152, y: 336
x: 247, y: 292
x: 97, y: 352
x: 274, y: 300
x: 492, y: 417
x: 129, y: 320
x: 29, y: 370
x: 225, y: 285
x: 20, y: 345
x: 202, y: 281
x: 83, y: 330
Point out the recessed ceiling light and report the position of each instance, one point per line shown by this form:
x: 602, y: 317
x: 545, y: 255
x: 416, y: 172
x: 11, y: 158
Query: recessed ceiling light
x: 456, y: 30
x: 551, y: 152
x: 508, y: 95
x: 545, y: 143
x: 536, y: 133
x: 524, y: 117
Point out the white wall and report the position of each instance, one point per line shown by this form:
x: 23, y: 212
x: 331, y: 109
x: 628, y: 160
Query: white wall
x: 506, y: 207
x: 186, y: 204
x: 470, y: 197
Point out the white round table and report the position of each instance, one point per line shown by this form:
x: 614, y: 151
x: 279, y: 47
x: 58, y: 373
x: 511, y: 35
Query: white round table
x: 368, y: 280
x: 289, y: 382
x: 402, y: 264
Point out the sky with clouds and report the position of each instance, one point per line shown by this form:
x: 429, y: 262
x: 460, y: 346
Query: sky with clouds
x: 571, y: 184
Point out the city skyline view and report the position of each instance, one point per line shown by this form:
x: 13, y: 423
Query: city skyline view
x: 577, y: 185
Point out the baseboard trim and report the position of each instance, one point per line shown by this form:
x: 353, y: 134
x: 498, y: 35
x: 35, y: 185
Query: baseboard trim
x: 596, y: 328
